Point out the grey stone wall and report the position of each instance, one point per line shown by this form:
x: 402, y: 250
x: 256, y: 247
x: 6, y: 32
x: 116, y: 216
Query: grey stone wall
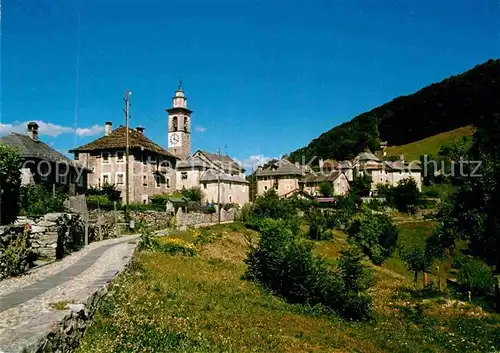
x: 67, y: 334
x: 55, y: 235
x: 102, y: 224
x: 155, y: 219
x: 195, y: 218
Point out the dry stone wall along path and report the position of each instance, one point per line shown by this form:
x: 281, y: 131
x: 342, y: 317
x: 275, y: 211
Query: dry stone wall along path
x: 28, y: 313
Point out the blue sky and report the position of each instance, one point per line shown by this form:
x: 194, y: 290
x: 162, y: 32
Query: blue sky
x: 263, y: 78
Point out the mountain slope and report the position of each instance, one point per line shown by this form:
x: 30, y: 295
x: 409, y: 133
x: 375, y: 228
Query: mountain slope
x: 430, y: 145
x: 453, y: 103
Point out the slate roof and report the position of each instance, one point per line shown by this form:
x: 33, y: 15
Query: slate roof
x: 191, y: 162
x: 399, y: 165
x: 222, y: 161
x: 366, y: 156
x: 319, y: 178
x: 281, y: 167
x: 29, y: 148
x: 117, y: 140
x: 211, y: 175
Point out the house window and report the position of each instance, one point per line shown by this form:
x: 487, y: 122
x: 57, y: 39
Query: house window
x: 265, y: 187
x: 144, y: 159
x: 119, y: 178
x: 230, y: 186
x: 184, y: 175
x: 145, y: 180
x: 105, y: 179
x: 204, y: 185
x: 167, y: 182
x: 105, y: 157
x: 77, y: 156
x: 158, y: 180
x: 230, y: 199
x: 120, y: 157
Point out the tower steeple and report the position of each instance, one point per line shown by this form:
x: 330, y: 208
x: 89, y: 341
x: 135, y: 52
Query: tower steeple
x: 179, y: 125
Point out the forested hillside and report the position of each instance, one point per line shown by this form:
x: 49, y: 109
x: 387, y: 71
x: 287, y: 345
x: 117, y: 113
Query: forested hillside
x: 453, y: 103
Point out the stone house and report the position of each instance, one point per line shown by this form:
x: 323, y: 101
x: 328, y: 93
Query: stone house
x: 43, y: 164
x: 214, y: 173
x: 311, y: 183
x: 151, y: 167
x: 386, y: 172
x: 280, y: 175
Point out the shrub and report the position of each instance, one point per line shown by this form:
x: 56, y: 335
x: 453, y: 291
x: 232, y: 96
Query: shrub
x: 107, y: 190
x: 326, y: 189
x: 271, y: 206
x: 245, y: 213
x: 360, y: 186
x: 36, y: 200
x: 416, y: 260
x: 474, y: 275
x: 10, y: 181
x: 318, y: 228
x: 17, y: 255
x: 406, y: 196
x: 193, y: 194
x: 285, y: 264
x: 150, y: 242
x: 375, y: 235
x: 174, y: 246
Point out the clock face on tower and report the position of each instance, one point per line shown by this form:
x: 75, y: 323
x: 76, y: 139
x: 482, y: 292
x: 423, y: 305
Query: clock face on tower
x: 174, y: 139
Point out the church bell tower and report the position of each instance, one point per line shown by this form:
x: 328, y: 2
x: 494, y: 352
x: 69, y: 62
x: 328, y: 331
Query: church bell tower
x: 179, y: 125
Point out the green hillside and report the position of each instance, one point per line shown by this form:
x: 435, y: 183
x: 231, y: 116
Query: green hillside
x: 430, y: 145
x: 440, y: 107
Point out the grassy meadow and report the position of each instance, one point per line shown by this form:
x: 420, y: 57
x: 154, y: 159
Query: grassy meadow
x: 430, y: 145
x: 167, y: 303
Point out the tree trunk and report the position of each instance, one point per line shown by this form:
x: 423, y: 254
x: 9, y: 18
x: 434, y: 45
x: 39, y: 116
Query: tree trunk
x: 425, y: 279
x: 415, y: 279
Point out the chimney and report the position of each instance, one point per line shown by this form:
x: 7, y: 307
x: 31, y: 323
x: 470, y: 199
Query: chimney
x: 140, y: 129
x: 108, y: 127
x: 33, y: 130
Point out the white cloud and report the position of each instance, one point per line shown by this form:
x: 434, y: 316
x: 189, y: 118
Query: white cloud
x: 254, y: 161
x: 90, y: 131
x: 200, y: 129
x: 49, y: 129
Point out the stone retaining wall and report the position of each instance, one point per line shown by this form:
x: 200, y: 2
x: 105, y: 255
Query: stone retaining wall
x: 67, y: 334
x: 50, y: 237
x: 194, y: 218
x: 56, y: 234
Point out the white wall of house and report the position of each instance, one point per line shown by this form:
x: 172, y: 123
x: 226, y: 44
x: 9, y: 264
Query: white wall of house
x: 188, y: 178
x: 393, y: 177
x: 285, y: 184
x: 229, y: 192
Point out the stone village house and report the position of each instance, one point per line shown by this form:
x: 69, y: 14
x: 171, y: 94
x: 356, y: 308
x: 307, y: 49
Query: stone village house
x: 44, y: 165
x: 386, y: 172
x: 151, y: 167
x: 288, y: 178
x: 208, y: 171
x: 154, y: 170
